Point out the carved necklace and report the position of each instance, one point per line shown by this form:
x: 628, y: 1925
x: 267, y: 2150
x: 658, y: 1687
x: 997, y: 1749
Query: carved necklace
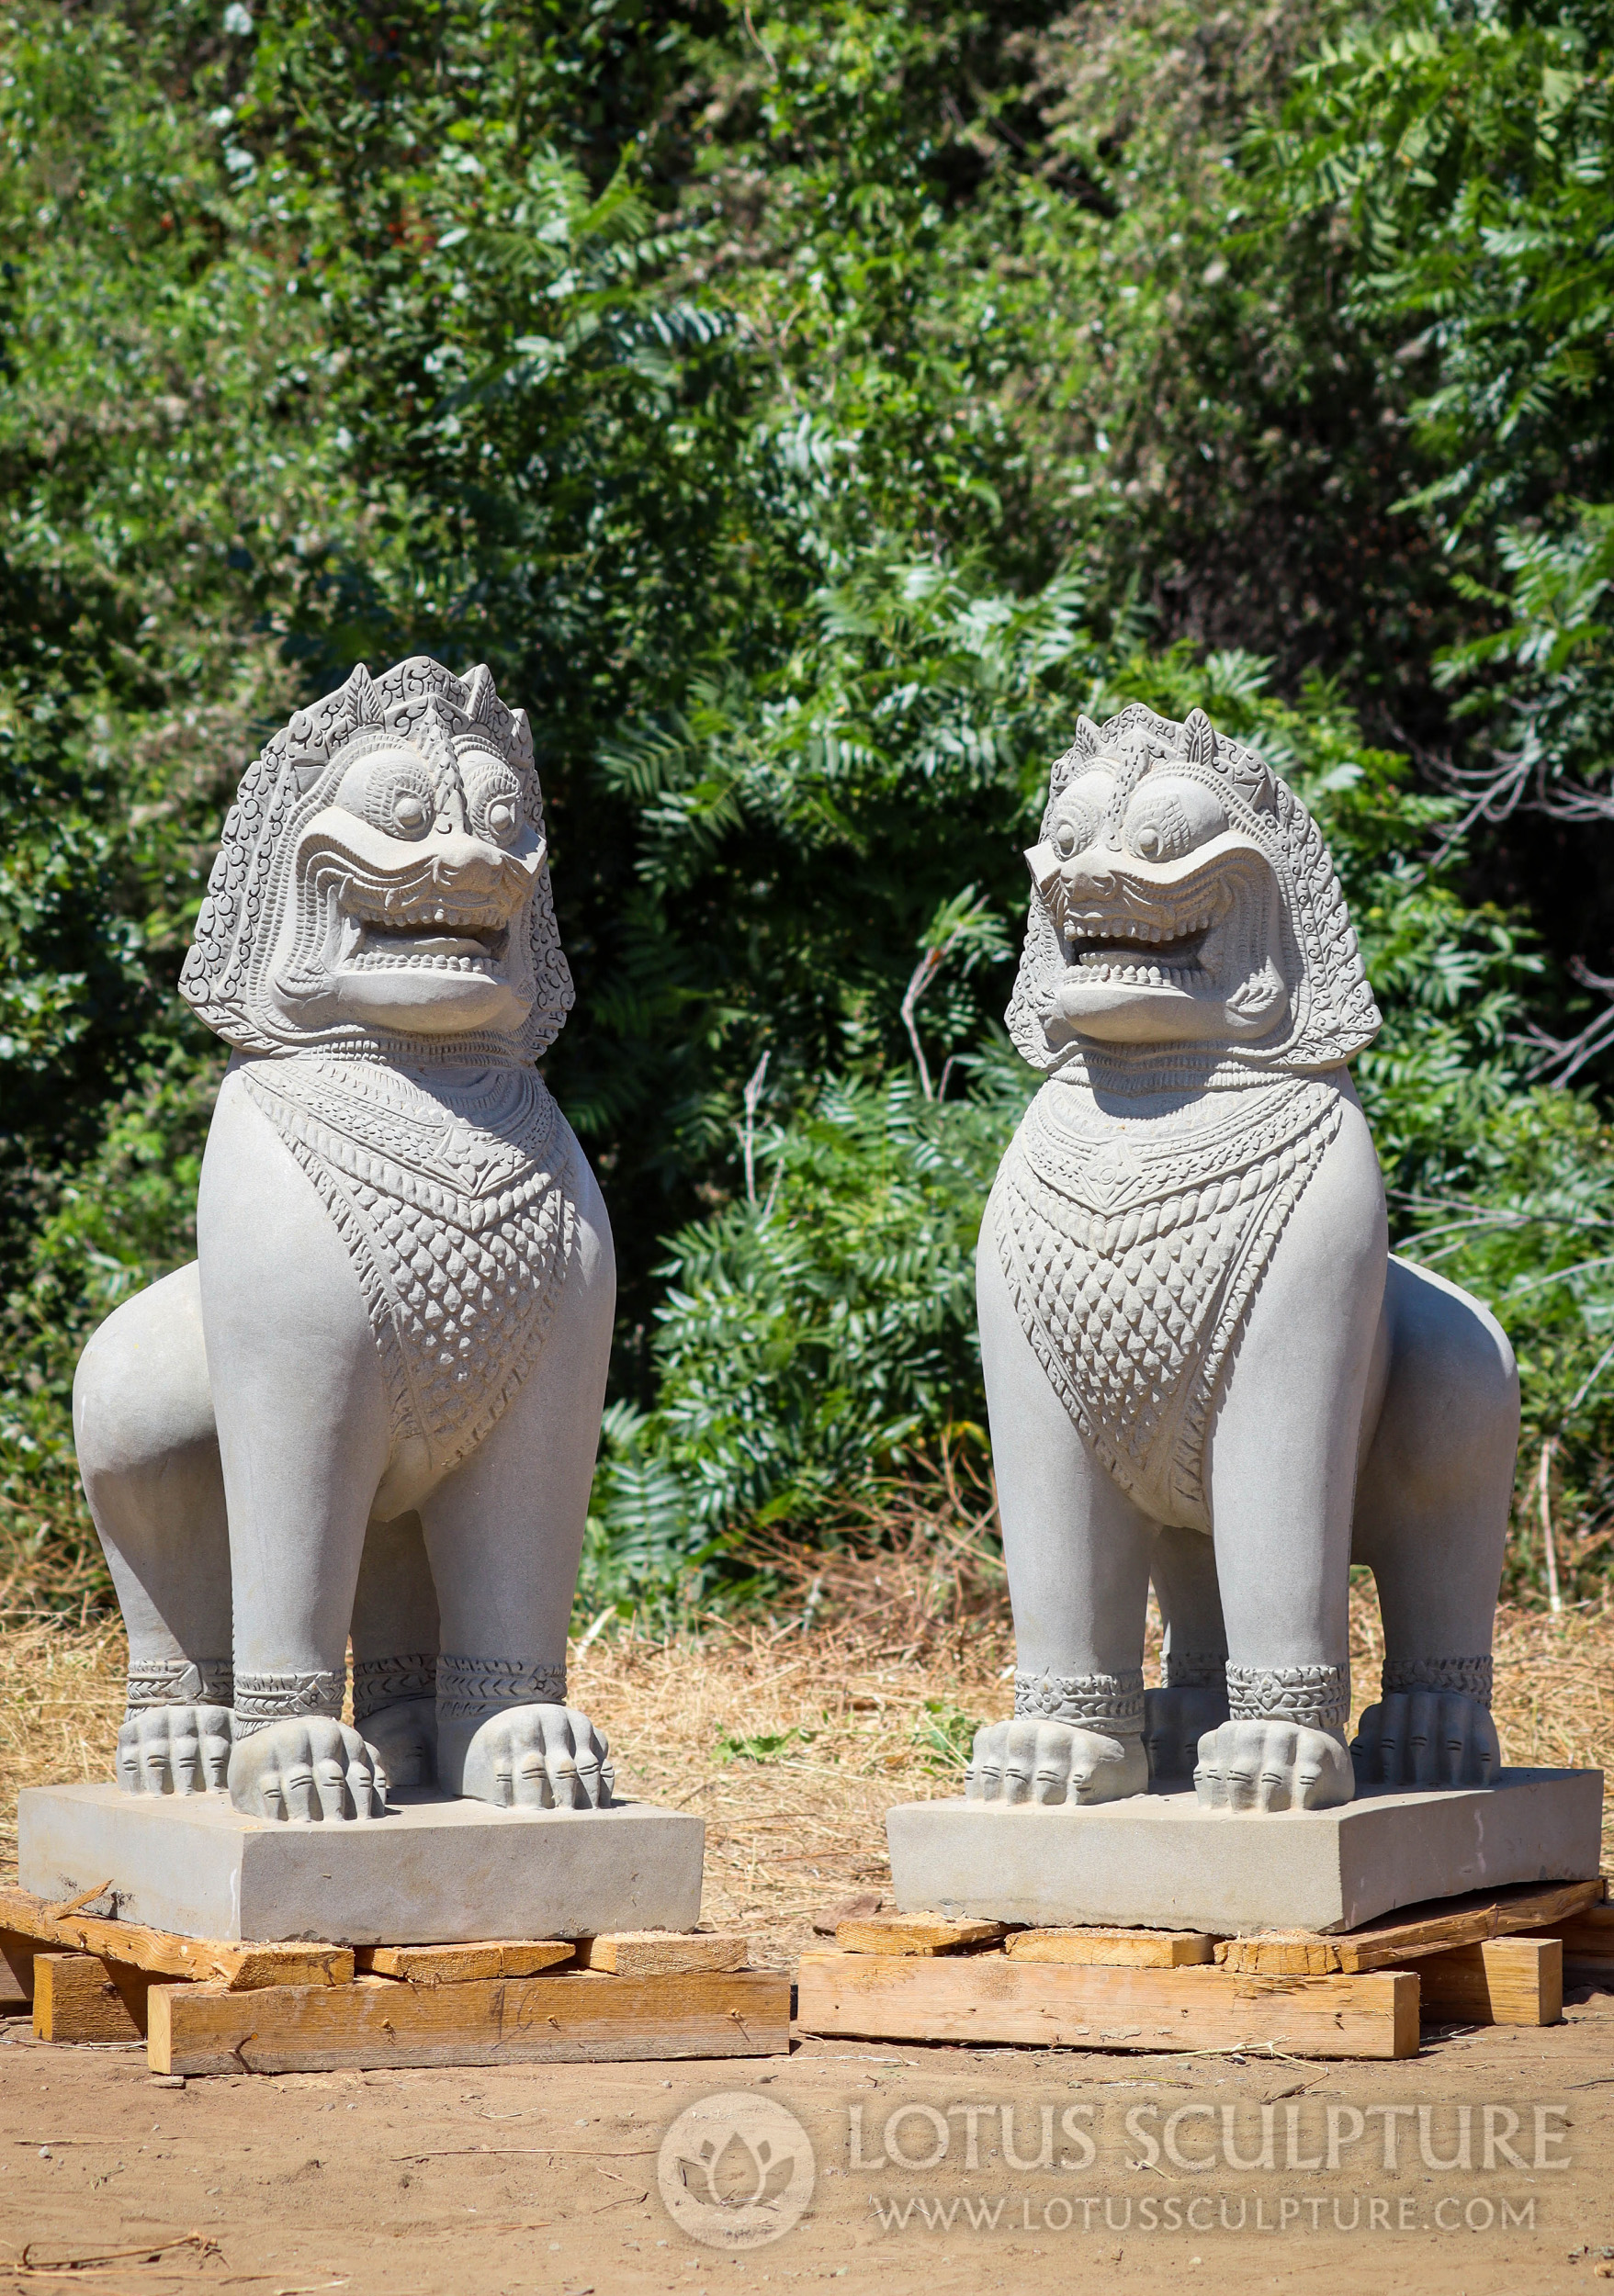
x: 1132, y: 1246
x: 453, y: 1198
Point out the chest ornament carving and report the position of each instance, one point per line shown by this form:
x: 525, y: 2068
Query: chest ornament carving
x: 454, y: 1199
x: 1133, y: 1247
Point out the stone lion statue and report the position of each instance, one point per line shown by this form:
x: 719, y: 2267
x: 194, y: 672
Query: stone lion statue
x: 372, y: 1403
x: 1202, y: 1362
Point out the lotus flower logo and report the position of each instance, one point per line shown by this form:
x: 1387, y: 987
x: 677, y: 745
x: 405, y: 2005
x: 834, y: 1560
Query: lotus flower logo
x: 736, y: 2170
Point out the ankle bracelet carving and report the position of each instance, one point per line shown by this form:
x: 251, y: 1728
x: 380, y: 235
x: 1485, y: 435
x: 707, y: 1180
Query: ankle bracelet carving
x: 180, y: 1682
x: 1196, y: 1670
x: 1315, y: 1697
x: 1471, y: 1677
x: 470, y: 1689
x: 378, y: 1682
x: 261, y: 1699
x: 1092, y: 1702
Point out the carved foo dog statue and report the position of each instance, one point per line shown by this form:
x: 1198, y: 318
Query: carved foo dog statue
x: 373, y: 1402
x: 1202, y: 1362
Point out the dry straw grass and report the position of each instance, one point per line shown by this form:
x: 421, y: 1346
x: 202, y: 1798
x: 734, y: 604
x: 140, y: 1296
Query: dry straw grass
x: 793, y: 1736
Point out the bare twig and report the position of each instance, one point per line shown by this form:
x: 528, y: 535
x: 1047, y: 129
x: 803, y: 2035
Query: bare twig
x: 924, y: 974
x: 1549, y: 1550
x: 748, y: 1139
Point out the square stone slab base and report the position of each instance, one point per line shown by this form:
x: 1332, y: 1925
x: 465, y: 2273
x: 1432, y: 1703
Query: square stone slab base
x: 434, y: 1871
x: 1158, y: 1861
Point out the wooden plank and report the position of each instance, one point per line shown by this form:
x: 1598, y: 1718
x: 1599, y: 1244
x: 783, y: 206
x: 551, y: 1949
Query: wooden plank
x: 1498, y: 1981
x: 922, y: 1933
x: 462, y: 1965
x: 1113, y: 1949
x: 162, y: 1953
x: 17, y: 1969
x: 664, y: 1953
x: 78, y: 1997
x: 579, y: 2017
x: 991, y: 1997
x: 1588, y: 1938
x: 1415, y: 1931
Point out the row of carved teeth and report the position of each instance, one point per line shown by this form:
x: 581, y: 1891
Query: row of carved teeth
x: 374, y: 958
x: 1149, y: 975
x: 1101, y: 929
x: 420, y: 920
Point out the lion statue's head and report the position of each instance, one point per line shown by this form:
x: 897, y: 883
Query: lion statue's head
x: 383, y: 881
x: 1182, y: 899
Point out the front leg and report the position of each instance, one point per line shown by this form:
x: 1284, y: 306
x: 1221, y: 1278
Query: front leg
x: 1281, y: 1464
x: 304, y: 1435
x: 1077, y: 1554
x: 1194, y: 1696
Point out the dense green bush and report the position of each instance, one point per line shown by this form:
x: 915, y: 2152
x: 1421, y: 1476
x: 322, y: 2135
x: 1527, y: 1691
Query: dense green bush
x: 805, y: 410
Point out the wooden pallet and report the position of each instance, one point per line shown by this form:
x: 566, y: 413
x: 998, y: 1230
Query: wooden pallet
x: 208, y: 2006
x: 921, y: 1977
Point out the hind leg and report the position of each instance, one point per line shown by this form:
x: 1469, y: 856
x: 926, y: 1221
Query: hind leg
x: 148, y: 1453
x: 1194, y: 1699
x: 395, y: 1651
x: 1433, y: 1494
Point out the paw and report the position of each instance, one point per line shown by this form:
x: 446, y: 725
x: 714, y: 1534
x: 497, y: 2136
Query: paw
x: 404, y: 1735
x: 1426, y: 1738
x: 307, y: 1767
x: 174, y: 1749
x: 1272, y: 1765
x: 527, y: 1758
x: 1028, y: 1760
x: 1174, y: 1723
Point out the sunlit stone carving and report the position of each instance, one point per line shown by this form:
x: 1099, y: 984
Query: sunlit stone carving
x: 1202, y: 1362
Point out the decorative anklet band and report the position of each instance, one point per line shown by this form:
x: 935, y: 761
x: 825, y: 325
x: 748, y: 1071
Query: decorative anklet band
x: 378, y: 1682
x: 261, y: 1699
x: 1471, y: 1677
x: 180, y: 1682
x: 1196, y: 1670
x: 1091, y: 1702
x: 1316, y: 1697
x: 468, y: 1689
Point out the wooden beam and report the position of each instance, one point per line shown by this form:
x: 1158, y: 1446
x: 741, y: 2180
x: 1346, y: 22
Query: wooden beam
x: 17, y: 1969
x: 460, y: 1964
x: 922, y: 1933
x: 1415, y: 1930
x: 162, y: 1953
x: 664, y: 1953
x: 577, y: 2018
x: 78, y: 1997
x: 993, y: 1999
x: 1498, y: 1981
x: 1113, y: 1949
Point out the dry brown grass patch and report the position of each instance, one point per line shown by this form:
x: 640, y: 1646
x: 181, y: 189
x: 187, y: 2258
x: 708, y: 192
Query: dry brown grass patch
x: 793, y: 1739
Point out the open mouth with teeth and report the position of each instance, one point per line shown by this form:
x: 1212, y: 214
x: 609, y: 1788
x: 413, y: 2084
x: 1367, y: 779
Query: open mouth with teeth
x: 1145, y: 956
x: 441, y: 940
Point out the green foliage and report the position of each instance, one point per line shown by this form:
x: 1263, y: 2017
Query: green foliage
x: 945, y: 1736
x: 804, y: 409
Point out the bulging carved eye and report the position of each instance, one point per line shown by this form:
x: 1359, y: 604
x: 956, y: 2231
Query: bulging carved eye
x: 493, y: 799
x: 393, y: 789
x: 1074, y: 827
x: 1170, y: 817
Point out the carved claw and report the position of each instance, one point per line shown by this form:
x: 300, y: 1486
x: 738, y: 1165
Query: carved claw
x: 529, y: 1757
x: 1174, y: 1723
x: 1427, y: 1739
x: 404, y: 1735
x: 307, y: 1767
x: 1260, y: 1765
x: 174, y: 1749
x: 1048, y: 1762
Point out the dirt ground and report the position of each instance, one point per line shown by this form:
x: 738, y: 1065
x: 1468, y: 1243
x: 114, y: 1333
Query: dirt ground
x: 542, y: 2180
x: 545, y: 2182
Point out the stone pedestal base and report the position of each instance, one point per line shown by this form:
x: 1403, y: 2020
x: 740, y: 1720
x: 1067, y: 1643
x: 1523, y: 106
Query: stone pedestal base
x: 432, y: 1871
x: 1158, y: 1861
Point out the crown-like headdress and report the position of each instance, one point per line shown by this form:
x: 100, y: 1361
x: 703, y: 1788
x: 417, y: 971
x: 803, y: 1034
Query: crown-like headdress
x: 1332, y: 1014
x: 419, y: 702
